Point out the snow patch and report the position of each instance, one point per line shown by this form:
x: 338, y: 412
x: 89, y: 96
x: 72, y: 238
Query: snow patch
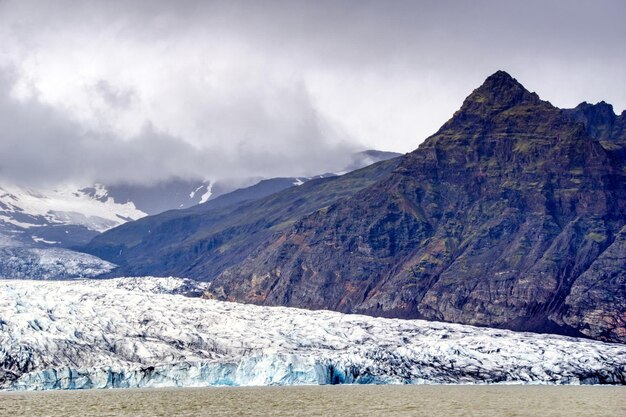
x: 209, y: 191
x: 42, y: 240
x: 193, y: 193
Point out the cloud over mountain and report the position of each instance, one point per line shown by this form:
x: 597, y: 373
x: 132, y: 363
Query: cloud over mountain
x: 145, y: 90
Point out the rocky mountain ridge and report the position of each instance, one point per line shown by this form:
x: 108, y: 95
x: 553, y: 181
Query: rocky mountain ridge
x: 512, y: 215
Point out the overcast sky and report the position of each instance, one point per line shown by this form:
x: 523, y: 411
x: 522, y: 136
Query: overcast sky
x: 139, y: 91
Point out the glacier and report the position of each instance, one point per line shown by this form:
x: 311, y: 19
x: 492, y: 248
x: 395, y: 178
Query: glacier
x: 49, y: 263
x: 160, y: 332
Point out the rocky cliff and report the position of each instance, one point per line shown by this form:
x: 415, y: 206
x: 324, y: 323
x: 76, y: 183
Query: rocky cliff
x: 512, y: 215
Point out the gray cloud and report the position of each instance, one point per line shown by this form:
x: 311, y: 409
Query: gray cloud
x: 112, y: 96
x: 42, y: 146
x: 139, y: 91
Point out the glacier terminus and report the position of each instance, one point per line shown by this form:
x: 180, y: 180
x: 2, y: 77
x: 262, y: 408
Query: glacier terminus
x: 159, y: 332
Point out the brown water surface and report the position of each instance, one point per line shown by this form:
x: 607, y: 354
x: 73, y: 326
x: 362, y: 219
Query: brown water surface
x: 439, y: 400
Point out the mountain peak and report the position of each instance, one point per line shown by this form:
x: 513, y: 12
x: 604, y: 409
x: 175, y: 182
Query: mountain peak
x: 500, y: 76
x: 501, y: 91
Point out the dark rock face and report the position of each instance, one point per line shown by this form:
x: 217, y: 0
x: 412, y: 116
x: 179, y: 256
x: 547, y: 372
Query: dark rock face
x: 600, y: 121
x: 597, y: 298
x: 512, y: 215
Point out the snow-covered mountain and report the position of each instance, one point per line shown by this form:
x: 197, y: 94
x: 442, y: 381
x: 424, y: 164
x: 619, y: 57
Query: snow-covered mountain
x: 38, y: 225
x: 70, y: 216
x: 135, y: 332
x: 61, y: 216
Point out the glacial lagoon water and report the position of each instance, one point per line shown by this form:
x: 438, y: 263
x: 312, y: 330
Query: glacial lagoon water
x: 345, y: 401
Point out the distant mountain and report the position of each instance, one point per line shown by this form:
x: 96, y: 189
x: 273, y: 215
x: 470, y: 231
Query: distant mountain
x: 512, y: 215
x: 38, y: 225
x: 203, y: 240
x: 266, y: 187
x: 165, y: 195
x: 59, y: 217
x: 69, y: 216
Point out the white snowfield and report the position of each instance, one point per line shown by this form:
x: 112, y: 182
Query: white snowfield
x: 136, y: 332
x: 28, y: 207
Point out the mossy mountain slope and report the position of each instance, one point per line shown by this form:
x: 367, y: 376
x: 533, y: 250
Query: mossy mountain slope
x: 512, y: 215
